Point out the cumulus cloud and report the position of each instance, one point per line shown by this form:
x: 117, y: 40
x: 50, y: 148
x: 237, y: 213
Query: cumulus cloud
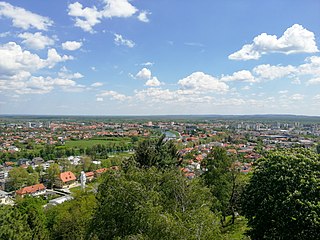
x: 243, y: 76
x: 24, y: 19
x: 313, y: 81
x: 54, y: 58
x: 143, y: 16
x: 67, y: 74
x: 87, y: 17
x: 144, y: 74
x: 296, y: 39
x: 40, y: 85
x: 17, y: 67
x: 36, y: 40
x: 153, y: 82
x: 118, y: 8
x: 71, y: 45
x: 113, y: 95
x: 97, y: 84
x: 119, y: 40
x: 267, y: 71
x: 201, y: 82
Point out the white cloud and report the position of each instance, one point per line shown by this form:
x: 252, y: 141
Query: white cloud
x: 243, y: 76
x: 147, y: 64
x: 266, y: 71
x: 87, y: 17
x: 295, y: 39
x: 71, y: 45
x: 17, y: 67
x: 313, y: 81
x: 42, y: 85
x: 118, y: 8
x: 24, y: 19
x: 283, y: 91
x: 311, y: 67
x: 317, y: 97
x: 297, y: 97
x: 113, y: 95
x: 246, y: 88
x: 36, y: 40
x: 54, y: 58
x: 144, y: 74
x: 199, y: 81
x: 5, y: 34
x: 153, y: 82
x: 99, y: 99
x: 97, y: 84
x: 119, y: 40
x: 65, y: 73
x: 14, y: 60
x: 143, y: 16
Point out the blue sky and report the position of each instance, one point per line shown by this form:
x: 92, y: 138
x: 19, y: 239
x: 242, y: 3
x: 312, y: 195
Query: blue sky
x: 120, y: 57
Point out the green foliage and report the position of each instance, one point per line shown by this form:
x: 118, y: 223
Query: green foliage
x: 19, y: 177
x: 13, y: 224
x: 282, y: 200
x: 52, y: 173
x: 219, y: 178
x: 150, y: 204
x: 70, y: 220
x: 156, y: 152
x: 32, y: 208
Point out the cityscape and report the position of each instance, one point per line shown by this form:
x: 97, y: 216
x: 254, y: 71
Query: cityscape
x: 153, y: 120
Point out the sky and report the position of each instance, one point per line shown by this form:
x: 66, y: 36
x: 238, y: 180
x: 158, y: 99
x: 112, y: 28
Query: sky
x: 151, y: 57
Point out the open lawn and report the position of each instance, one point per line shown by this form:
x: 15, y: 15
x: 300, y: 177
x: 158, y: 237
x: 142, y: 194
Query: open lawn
x: 92, y: 142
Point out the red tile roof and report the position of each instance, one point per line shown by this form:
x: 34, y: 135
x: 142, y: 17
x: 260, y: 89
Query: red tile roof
x: 31, y: 189
x: 89, y: 174
x: 67, y: 176
x: 101, y: 170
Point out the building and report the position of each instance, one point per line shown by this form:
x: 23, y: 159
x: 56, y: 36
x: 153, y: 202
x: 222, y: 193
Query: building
x: 66, y: 180
x: 5, y: 199
x: 60, y: 200
x: 89, y: 176
x: 34, y: 190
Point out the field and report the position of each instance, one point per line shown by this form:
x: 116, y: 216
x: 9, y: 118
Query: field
x: 92, y: 142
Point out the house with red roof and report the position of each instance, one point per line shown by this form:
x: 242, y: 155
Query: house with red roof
x: 34, y: 190
x: 66, y: 180
x: 89, y: 176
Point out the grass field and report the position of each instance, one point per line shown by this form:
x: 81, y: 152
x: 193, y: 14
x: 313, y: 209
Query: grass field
x: 92, y: 142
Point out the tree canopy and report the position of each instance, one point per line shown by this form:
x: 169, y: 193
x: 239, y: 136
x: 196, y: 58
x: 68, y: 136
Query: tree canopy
x: 151, y: 204
x: 282, y: 200
x: 156, y: 152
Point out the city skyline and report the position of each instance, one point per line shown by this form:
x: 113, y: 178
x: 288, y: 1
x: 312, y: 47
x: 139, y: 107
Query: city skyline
x: 119, y: 57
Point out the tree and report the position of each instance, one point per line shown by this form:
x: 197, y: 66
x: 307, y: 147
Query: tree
x: 52, y: 173
x: 148, y: 203
x: 32, y: 208
x: 19, y: 177
x: 219, y: 178
x: 282, y: 199
x: 156, y: 152
x: 70, y: 220
x: 13, y: 224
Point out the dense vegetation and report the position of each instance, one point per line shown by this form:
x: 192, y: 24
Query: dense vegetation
x: 150, y: 198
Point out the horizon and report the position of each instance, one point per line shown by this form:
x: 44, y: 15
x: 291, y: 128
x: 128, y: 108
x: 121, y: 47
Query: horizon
x: 150, y: 58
